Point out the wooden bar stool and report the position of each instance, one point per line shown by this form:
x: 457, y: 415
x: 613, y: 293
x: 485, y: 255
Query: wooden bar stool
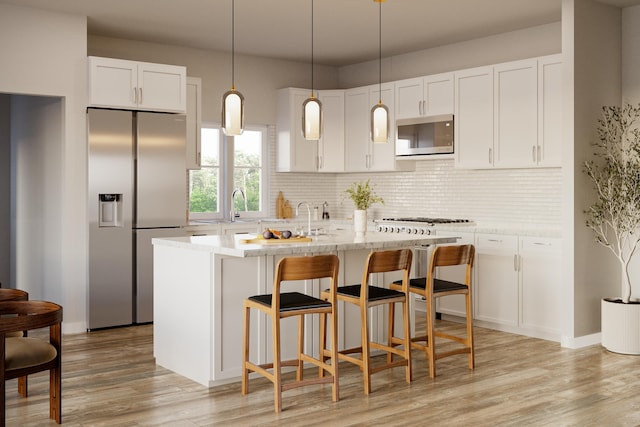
x: 431, y: 288
x: 279, y: 305
x: 366, y: 296
x: 8, y: 294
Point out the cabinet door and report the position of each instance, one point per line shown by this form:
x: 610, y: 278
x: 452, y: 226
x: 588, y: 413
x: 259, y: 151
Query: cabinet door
x: 541, y: 293
x: 382, y: 155
x: 550, y: 111
x: 438, y: 94
x: 331, y: 144
x: 474, y: 118
x: 496, y: 291
x: 516, y: 114
x: 113, y: 83
x: 357, y: 112
x: 194, y: 121
x: 408, y: 98
x: 295, y: 154
x: 162, y: 87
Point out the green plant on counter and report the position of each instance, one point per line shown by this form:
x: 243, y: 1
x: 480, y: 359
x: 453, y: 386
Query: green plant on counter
x: 363, y: 195
x: 614, y: 216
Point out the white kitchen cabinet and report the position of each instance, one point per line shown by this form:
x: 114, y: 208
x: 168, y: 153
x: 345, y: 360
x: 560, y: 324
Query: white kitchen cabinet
x: 194, y: 121
x: 118, y: 83
x: 424, y: 96
x: 515, y: 114
x: 549, y: 149
x: 473, y: 123
x: 331, y: 143
x: 294, y: 154
x: 540, y: 268
x: 361, y: 154
x: 496, y: 290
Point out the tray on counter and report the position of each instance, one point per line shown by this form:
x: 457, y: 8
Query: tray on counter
x: 262, y: 241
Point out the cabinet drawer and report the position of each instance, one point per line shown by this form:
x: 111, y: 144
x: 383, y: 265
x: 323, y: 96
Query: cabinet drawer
x: 545, y: 245
x: 499, y: 242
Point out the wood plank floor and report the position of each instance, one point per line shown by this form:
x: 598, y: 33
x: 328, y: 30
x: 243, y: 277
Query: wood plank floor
x: 110, y: 379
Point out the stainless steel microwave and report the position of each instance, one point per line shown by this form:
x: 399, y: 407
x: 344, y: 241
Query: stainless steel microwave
x: 424, y: 135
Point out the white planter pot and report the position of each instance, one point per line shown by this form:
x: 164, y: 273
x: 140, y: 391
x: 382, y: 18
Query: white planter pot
x: 360, y: 222
x: 620, y: 326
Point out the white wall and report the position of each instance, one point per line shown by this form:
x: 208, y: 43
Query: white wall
x: 44, y: 53
x: 5, y: 190
x: 592, y: 51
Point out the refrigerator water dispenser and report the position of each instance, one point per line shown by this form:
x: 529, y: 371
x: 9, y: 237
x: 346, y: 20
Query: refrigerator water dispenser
x: 110, y: 210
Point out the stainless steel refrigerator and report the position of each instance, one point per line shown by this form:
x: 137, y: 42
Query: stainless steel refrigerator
x: 137, y: 191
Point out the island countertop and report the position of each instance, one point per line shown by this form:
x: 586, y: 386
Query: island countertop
x: 232, y: 245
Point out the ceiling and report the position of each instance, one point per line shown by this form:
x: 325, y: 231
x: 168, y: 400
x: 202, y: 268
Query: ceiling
x: 345, y: 31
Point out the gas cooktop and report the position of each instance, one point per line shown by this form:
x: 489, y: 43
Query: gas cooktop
x: 427, y: 220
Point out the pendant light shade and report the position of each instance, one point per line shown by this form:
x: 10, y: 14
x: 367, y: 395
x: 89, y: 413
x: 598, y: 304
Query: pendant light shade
x: 380, y: 112
x: 312, y: 107
x: 233, y: 101
x: 380, y: 123
x: 311, y: 118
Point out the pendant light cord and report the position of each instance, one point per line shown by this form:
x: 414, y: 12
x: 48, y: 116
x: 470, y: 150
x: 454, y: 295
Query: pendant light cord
x: 312, y: 48
x: 233, y: 44
x: 380, y: 51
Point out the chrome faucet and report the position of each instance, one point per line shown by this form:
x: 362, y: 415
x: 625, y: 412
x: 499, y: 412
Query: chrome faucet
x: 308, y: 217
x: 234, y: 214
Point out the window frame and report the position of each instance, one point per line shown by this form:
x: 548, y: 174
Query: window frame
x: 226, y: 170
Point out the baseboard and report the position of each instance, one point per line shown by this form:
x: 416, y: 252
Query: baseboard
x: 579, y: 342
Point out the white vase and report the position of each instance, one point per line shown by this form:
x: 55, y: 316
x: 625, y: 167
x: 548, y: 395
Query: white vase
x: 620, y: 326
x: 360, y: 222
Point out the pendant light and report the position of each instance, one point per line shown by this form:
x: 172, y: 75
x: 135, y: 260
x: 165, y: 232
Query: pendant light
x: 379, y: 112
x: 232, y: 100
x: 312, y: 107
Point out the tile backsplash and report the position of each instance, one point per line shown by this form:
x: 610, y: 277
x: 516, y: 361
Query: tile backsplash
x: 435, y: 188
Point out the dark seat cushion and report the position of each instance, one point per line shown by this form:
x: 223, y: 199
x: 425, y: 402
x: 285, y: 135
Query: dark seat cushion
x: 438, y: 285
x: 26, y: 352
x: 375, y: 293
x: 290, y: 301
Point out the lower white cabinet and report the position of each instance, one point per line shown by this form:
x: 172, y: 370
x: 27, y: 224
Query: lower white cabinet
x: 496, y: 290
x: 518, y: 284
x: 540, y: 286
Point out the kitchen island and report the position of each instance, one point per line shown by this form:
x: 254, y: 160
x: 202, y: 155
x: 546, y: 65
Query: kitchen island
x: 201, y: 281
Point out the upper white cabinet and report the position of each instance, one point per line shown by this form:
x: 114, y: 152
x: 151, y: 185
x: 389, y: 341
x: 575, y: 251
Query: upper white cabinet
x: 473, y: 123
x: 117, y: 83
x: 424, y: 96
x: 362, y: 154
x: 515, y: 114
x: 194, y: 121
x: 509, y: 115
x: 549, y: 149
x: 295, y: 154
x: 331, y: 144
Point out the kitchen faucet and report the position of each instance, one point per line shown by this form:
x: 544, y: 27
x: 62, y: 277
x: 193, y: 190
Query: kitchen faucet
x: 308, y: 217
x: 234, y: 214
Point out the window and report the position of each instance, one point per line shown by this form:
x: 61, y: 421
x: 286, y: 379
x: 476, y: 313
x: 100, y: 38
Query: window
x: 229, y: 163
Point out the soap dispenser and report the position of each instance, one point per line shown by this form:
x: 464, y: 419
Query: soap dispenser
x: 325, y: 212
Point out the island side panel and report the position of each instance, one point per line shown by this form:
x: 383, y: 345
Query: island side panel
x: 182, y: 327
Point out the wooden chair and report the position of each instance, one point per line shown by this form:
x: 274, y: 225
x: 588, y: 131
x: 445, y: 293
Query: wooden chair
x: 22, y: 356
x: 7, y: 294
x: 444, y: 256
x: 279, y: 305
x: 366, y: 296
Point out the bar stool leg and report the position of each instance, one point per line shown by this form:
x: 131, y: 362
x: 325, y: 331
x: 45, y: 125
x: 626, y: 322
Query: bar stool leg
x: 245, y: 350
x: 277, y: 374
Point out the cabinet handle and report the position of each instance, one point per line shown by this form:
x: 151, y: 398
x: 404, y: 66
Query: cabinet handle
x: 199, y: 158
x: 495, y: 240
x: 534, y: 154
x: 539, y: 151
x: 542, y: 243
x: 516, y: 266
x: 134, y: 95
x: 490, y: 155
x: 140, y: 96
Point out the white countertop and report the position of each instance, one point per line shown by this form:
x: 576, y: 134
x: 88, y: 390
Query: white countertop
x: 231, y: 245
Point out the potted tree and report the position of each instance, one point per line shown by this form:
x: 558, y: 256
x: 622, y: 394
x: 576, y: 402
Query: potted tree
x: 363, y: 196
x: 614, y: 217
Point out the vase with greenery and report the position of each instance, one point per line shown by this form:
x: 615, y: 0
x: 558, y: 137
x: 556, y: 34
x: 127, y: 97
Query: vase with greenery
x: 614, y: 217
x: 363, y: 196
